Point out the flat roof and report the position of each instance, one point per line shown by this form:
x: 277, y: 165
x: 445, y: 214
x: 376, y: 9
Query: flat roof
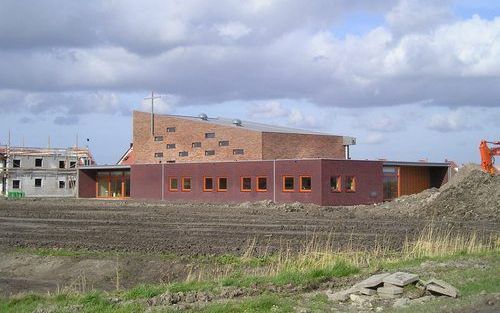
x: 404, y: 163
x: 104, y: 167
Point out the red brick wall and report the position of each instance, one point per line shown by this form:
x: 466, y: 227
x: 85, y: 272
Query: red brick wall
x: 187, y: 132
x: 87, y: 183
x: 301, y: 146
x: 145, y: 181
x: 369, y: 182
x: 296, y: 169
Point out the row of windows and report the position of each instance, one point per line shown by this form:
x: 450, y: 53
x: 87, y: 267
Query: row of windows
x: 39, y: 163
x: 207, y: 153
x: 246, y: 184
x: 222, y: 184
x: 197, y: 144
x: 207, y: 136
x: 16, y: 184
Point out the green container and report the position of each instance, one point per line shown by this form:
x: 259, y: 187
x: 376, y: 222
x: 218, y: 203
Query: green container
x: 15, y: 194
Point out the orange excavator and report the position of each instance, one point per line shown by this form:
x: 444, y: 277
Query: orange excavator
x: 487, y: 155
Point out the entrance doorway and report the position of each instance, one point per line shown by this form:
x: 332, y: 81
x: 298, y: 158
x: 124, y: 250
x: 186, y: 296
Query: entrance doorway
x: 113, y: 184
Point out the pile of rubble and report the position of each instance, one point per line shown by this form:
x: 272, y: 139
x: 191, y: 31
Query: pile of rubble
x: 400, y: 288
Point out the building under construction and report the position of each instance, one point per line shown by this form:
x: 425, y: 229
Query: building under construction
x: 41, y: 172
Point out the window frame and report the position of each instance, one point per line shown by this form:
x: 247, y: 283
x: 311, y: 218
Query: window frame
x: 210, y: 135
x: 339, y: 183
x: 72, y: 164
x: 204, y: 184
x: 18, y: 184
x: 196, y: 144
x: 63, y: 184
x: 41, y: 162
x: 41, y: 183
x: 63, y: 163
x: 219, y: 189
x: 257, y: 187
x: 242, y: 189
x: 222, y: 143
x: 158, y: 138
x: 183, y: 154
x: 158, y: 155
x: 171, y: 146
x: 170, y: 179
x: 301, y: 183
x: 238, y: 150
x: 206, y: 151
x: 284, y: 185
x: 354, y: 183
x: 16, y: 163
x: 171, y: 129
x: 183, y: 179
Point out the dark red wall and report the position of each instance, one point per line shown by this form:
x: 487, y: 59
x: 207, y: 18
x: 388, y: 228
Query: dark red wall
x: 297, y: 168
x: 87, y: 183
x: 145, y: 181
x: 233, y: 171
x: 369, y: 186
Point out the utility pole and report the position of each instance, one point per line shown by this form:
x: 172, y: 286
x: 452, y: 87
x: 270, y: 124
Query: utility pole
x: 153, y: 97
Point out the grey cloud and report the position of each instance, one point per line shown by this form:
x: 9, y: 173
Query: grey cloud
x: 66, y: 120
x: 286, y: 51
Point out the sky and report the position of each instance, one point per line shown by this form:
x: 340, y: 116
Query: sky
x: 410, y: 79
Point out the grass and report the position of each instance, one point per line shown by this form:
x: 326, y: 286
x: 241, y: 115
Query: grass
x: 315, y: 264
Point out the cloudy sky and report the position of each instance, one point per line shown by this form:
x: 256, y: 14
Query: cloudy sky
x: 411, y: 79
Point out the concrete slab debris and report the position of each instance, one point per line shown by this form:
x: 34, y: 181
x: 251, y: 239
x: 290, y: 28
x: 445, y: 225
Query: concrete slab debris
x: 390, y: 290
x: 441, y: 287
x: 373, y: 281
x: 367, y: 291
x: 342, y: 295
x: 400, y: 279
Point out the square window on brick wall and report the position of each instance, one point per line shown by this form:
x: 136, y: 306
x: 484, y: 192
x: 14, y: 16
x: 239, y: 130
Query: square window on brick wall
x: 209, y: 152
x: 159, y: 155
x: 223, y: 143
x: 158, y: 138
x: 196, y: 144
x: 170, y: 145
x: 261, y: 183
x: 238, y: 151
x: 170, y: 129
x: 209, y: 135
x: 183, y: 154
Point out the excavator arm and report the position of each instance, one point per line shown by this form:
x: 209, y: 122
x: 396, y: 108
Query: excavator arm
x: 487, y: 155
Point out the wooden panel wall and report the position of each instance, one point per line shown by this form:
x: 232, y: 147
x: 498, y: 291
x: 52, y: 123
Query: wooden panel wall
x: 413, y: 179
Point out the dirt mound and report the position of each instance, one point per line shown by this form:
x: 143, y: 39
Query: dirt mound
x: 469, y: 195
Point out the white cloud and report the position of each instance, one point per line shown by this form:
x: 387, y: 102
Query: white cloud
x: 163, y: 105
x: 269, y: 109
x: 456, y: 120
x: 233, y: 30
x: 373, y: 139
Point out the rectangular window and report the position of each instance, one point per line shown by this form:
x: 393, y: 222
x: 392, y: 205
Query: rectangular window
x: 238, y: 151
x: 209, y: 152
x: 335, y: 183
x: 223, y: 143
x: 38, y: 162
x: 261, y: 183
x: 186, y: 184
x: 183, y: 154
x: 158, y: 138
x: 208, y: 184
x: 62, y: 184
x: 16, y: 184
x: 170, y: 129
x: 196, y: 144
x: 350, y: 184
x: 171, y: 161
x: 173, y: 184
x: 159, y: 155
x: 305, y: 184
x: 72, y: 164
x: 222, y: 184
x: 170, y: 145
x: 38, y: 182
x: 246, y: 184
x: 16, y: 163
x: 288, y: 183
x: 209, y: 135
x: 72, y: 184
x: 62, y: 164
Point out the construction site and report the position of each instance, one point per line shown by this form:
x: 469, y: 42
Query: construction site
x: 220, y: 215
